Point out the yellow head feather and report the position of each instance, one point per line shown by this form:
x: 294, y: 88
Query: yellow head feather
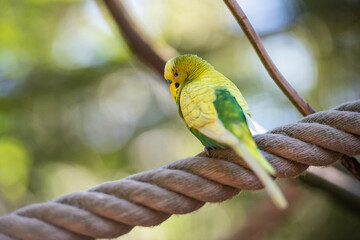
x: 183, y: 69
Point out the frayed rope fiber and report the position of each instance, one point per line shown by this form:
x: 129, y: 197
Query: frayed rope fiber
x: 149, y: 198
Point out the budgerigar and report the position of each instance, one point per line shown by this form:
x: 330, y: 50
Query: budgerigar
x: 216, y: 113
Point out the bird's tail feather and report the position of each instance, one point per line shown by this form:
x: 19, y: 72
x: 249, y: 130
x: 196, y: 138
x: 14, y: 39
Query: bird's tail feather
x: 256, y: 160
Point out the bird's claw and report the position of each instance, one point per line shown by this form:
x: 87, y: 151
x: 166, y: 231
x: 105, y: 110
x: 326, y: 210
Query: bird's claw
x: 207, y: 151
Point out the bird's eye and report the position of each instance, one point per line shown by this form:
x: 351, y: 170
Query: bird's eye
x: 177, y: 85
x: 176, y: 74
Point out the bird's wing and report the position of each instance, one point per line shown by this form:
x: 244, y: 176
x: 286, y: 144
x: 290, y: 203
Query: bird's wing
x: 231, y: 114
x: 203, y: 108
x: 235, y: 92
x: 197, y: 109
x: 201, y: 92
x: 254, y: 127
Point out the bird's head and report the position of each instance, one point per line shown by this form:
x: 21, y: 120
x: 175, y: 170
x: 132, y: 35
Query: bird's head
x: 183, y: 69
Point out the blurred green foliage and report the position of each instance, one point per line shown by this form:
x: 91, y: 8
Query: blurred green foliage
x: 77, y: 108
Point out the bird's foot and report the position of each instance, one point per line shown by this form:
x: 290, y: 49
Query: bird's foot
x: 207, y: 151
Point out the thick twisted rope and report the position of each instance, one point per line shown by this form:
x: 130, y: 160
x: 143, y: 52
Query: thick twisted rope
x: 149, y: 198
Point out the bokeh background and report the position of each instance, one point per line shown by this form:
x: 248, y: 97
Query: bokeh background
x: 77, y: 108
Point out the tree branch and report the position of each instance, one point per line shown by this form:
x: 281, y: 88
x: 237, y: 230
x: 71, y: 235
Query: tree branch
x: 303, y: 107
x: 138, y: 43
x: 350, y: 163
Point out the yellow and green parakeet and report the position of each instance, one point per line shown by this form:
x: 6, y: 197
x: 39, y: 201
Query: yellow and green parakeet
x: 216, y: 113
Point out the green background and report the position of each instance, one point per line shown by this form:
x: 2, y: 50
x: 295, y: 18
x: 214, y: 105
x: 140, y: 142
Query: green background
x: 77, y: 108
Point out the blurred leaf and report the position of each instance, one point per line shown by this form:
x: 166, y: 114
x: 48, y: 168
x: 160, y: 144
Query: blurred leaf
x: 14, y: 168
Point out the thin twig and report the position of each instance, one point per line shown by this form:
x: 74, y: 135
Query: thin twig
x: 350, y: 163
x: 273, y: 71
x: 136, y: 41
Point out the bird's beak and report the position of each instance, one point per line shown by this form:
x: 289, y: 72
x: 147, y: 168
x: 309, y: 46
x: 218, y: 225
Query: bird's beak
x: 174, y: 91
